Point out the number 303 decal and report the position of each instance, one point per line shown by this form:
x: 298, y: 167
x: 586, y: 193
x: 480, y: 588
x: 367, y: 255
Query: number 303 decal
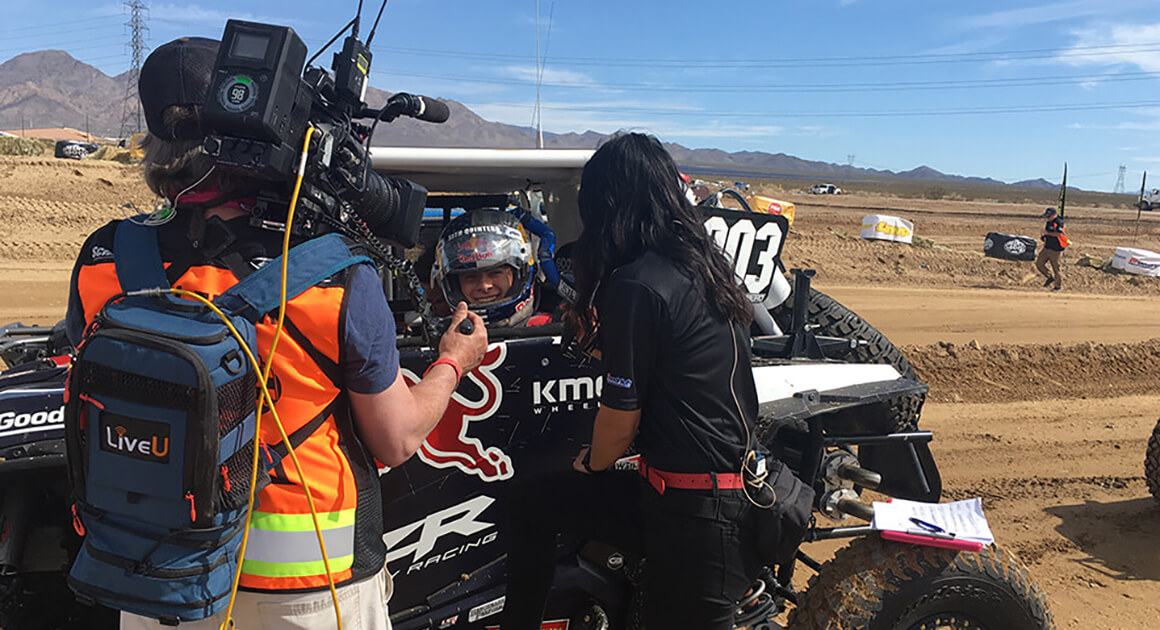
x: 752, y: 243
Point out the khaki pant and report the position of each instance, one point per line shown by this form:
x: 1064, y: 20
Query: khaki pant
x: 1049, y: 256
x: 363, y: 605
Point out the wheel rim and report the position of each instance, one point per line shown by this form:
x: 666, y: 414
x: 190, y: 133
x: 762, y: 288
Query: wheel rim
x: 947, y: 621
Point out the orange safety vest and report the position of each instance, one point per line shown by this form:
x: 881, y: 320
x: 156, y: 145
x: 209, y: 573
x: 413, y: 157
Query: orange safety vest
x: 283, y: 552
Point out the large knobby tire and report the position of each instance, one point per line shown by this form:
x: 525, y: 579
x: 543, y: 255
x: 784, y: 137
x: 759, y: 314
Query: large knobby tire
x: 834, y: 320
x: 878, y: 585
x: 1152, y: 463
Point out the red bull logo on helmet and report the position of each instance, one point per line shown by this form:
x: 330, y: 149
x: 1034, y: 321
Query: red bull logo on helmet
x: 450, y: 444
x: 473, y: 249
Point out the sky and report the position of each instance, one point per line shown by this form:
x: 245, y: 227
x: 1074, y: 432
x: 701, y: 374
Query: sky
x: 1009, y: 90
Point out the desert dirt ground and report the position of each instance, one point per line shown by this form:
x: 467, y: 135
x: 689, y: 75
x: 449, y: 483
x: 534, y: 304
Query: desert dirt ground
x: 1040, y: 402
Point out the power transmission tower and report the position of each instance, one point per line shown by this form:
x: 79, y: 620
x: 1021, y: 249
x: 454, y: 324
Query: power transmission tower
x: 131, y: 111
x: 1119, y: 189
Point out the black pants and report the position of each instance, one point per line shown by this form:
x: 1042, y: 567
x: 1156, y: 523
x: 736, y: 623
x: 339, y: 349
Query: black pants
x: 699, y: 545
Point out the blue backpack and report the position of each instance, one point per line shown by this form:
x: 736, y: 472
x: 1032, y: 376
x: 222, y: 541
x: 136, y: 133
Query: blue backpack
x: 159, y: 425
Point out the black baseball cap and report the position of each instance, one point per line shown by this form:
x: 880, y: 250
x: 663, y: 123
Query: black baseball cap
x: 176, y: 73
x: 1048, y: 213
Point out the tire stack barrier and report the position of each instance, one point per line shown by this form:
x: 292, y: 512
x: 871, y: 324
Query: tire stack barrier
x: 883, y: 227
x: 1138, y: 261
x: 1009, y: 246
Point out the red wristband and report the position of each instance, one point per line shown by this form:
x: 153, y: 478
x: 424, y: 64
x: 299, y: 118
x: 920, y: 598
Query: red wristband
x: 446, y: 361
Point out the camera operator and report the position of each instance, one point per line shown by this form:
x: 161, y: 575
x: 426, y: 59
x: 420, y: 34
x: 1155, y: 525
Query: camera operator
x: 662, y: 305
x: 335, y: 374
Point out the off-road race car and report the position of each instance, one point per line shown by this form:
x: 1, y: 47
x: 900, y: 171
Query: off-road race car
x: 838, y: 403
x: 1149, y: 199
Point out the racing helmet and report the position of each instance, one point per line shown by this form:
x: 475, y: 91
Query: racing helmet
x: 480, y: 240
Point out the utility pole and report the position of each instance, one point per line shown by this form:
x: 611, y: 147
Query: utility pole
x: 131, y: 110
x: 1119, y: 189
x: 539, y: 74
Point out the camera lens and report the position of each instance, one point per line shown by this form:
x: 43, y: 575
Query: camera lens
x: 377, y: 204
x: 392, y: 208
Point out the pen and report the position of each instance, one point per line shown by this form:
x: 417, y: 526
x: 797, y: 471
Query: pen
x: 930, y: 534
x: 930, y: 527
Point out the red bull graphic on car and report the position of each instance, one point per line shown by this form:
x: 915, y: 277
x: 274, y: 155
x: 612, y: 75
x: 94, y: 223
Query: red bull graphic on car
x: 450, y: 445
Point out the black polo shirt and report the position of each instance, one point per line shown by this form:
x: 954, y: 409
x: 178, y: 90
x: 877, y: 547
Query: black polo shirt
x: 667, y: 353
x: 1052, y: 242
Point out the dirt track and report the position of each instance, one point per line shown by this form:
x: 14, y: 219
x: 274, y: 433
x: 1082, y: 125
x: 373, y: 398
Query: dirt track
x: 1040, y: 403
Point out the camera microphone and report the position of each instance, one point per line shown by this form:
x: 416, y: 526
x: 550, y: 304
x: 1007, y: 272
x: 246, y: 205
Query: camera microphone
x: 413, y: 106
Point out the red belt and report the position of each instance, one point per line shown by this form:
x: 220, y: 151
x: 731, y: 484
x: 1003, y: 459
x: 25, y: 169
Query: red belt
x: 662, y: 480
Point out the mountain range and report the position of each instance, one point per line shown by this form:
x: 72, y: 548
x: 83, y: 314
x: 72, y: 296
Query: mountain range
x: 50, y: 88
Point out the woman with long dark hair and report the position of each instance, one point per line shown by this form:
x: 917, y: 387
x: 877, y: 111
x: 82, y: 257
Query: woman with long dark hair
x: 661, y: 305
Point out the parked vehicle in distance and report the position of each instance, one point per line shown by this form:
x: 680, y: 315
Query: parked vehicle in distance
x: 1150, y: 200
x: 825, y: 189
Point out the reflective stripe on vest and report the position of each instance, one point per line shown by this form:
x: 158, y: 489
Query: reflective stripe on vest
x: 286, y: 545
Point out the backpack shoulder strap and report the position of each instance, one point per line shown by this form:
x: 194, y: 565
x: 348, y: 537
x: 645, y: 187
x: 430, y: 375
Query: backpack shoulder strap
x: 310, y: 263
x: 137, y: 256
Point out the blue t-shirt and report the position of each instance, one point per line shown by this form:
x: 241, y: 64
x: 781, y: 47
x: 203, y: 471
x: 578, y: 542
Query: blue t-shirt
x: 372, y: 359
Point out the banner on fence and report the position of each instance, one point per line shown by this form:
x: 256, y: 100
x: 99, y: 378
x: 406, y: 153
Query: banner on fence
x: 884, y: 227
x: 1009, y: 246
x: 1138, y: 261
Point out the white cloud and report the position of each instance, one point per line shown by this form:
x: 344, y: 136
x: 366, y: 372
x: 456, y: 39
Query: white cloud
x: 977, y: 45
x: 1044, y: 14
x: 438, y: 88
x: 192, y: 13
x: 575, y: 119
x: 1137, y: 43
x: 106, y: 10
x: 551, y: 75
x: 1149, y: 120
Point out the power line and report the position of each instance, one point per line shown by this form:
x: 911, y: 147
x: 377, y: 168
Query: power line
x: 71, y: 49
x: 41, y: 36
x: 1119, y: 187
x: 893, y: 86
x: 131, y: 109
x: 878, y: 60
x: 56, y: 25
x: 848, y: 114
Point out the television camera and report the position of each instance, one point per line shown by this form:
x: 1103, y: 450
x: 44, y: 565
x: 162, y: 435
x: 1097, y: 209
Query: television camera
x: 259, y: 108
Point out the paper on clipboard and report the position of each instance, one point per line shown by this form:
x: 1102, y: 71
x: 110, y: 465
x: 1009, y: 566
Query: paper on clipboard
x: 964, y: 519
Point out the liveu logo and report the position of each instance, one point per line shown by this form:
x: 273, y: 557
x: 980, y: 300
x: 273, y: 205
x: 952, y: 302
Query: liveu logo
x: 141, y: 439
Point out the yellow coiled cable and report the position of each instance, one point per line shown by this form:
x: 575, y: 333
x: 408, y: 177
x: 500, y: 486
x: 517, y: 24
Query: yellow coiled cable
x: 268, y: 401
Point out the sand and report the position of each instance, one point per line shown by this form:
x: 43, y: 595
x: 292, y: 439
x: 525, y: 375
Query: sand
x: 1041, y: 403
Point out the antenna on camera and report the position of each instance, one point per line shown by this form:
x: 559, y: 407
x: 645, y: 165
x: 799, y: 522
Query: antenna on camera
x: 375, y: 26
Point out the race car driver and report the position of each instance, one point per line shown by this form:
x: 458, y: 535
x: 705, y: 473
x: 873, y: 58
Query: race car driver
x: 485, y: 258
